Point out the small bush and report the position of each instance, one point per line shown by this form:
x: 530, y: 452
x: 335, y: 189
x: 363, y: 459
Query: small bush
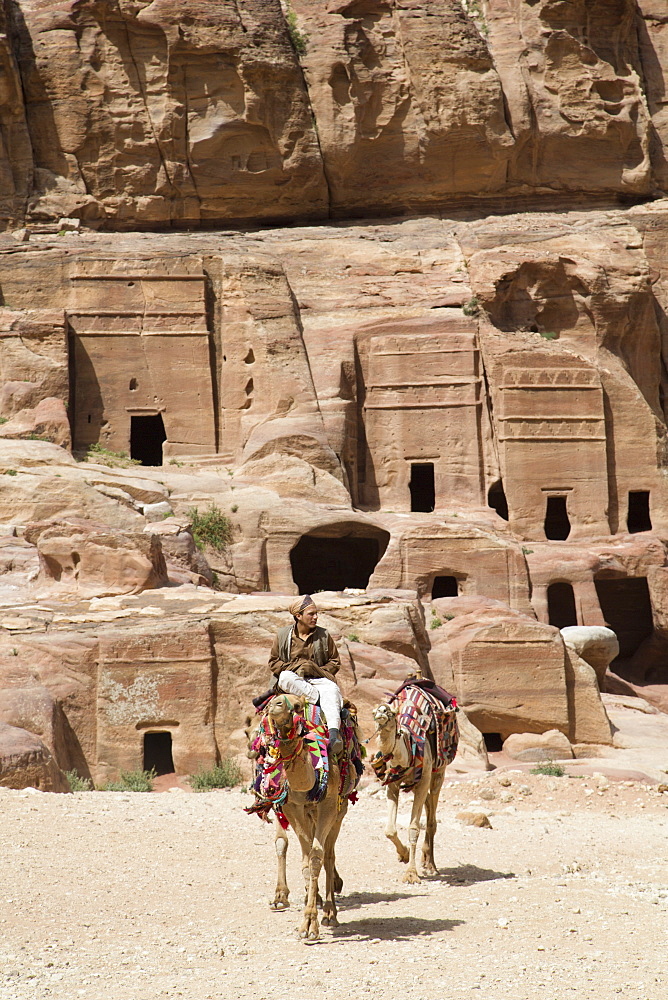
x: 297, y: 38
x: 132, y: 781
x: 551, y: 769
x: 472, y: 307
x: 79, y: 784
x: 96, y: 452
x: 435, y: 622
x: 234, y: 508
x: 526, y: 551
x: 353, y: 637
x: 11, y: 472
x: 3, y: 420
x: 223, y: 775
x: 548, y: 334
x: 210, y: 527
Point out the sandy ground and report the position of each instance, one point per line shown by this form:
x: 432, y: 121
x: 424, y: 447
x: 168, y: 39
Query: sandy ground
x: 115, y: 896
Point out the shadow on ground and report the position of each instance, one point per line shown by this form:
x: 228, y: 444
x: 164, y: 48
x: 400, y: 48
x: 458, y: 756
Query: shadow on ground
x: 393, y: 928
x: 356, y: 899
x: 467, y: 875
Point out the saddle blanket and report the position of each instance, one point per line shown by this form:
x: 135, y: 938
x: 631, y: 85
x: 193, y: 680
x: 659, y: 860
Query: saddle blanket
x: 271, y: 783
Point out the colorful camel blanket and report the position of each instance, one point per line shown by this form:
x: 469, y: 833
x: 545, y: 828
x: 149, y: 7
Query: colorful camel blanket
x: 418, y: 712
x: 271, y: 784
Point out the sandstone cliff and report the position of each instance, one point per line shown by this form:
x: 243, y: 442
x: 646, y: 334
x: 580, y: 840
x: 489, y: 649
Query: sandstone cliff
x: 162, y: 114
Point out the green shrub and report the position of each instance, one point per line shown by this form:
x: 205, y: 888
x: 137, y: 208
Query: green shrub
x: 79, y: 784
x: 548, y: 334
x: 472, y: 307
x: 132, y: 781
x: 210, y: 527
x: 549, y: 768
x: 435, y: 622
x: 297, y: 38
x: 223, y: 775
x: 3, y: 420
x: 353, y: 637
x: 11, y: 472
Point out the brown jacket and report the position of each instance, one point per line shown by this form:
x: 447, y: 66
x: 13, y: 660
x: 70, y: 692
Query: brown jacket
x: 302, y: 659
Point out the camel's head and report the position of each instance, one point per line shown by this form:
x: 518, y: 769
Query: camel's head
x: 281, y: 711
x: 384, y: 716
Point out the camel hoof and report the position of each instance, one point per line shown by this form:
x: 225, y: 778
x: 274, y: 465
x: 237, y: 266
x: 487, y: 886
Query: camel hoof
x: 403, y: 857
x: 279, y: 904
x: 338, y: 884
x: 411, y: 877
x: 309, y: 931
x: 329, y: 920
x: 429, y: 870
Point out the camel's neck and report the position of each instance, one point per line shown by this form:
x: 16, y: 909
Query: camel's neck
x: 298, y: 767
x: 390, y: 743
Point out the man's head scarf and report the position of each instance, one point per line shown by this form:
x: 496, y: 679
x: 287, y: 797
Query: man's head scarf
x: 301, y: 604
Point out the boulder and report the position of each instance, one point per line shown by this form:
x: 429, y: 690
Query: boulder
x: 85, y: 558
x: 595, y: 644
x: 47, y: 421
x: 25, y: 762
x: 537, y: 747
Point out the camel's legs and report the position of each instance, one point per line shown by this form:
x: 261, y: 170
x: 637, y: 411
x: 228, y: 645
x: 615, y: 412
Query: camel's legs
x: 391, y: 828
x: 280, y: 901
x: 326, y: 822
x: 431, y: 803
x: 332, y: 877
x: 419, y: 796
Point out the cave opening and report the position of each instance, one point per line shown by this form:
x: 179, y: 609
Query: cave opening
x: 147, y: 434
x: 445, y: 586
x: 557, y: 525
x: 638, y: 516
x: 561, y: 605
x: 496, y: 499
x: 493, y: 742
x: 627, y: 610
x: 324, y: 563
x: 158, y: 753
x: 422, y: 487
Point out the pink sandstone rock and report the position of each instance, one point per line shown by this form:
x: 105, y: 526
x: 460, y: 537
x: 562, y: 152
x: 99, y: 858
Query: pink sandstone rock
x: 26, y: 762
x: 85, y: 558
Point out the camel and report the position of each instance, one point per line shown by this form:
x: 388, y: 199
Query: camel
x: 316, y: 824
x: 395, y: 752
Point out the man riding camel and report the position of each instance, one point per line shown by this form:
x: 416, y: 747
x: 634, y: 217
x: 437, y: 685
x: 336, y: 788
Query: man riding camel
x: 304, y: 659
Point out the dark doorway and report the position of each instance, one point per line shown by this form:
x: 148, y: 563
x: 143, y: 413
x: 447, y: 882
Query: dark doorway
x: 496, y: 499
x: 146, y: 437
x: 445, y: 586
x: 561, y: 605
x: 493, y: 742
x: 334, y: 563
x: 423, y: 493
x: 627, y: 610
x: 158, y: 753
x: 557, y: 525
x: 638, y: 518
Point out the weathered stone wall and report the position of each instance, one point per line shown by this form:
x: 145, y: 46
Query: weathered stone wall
x: 170, y: 114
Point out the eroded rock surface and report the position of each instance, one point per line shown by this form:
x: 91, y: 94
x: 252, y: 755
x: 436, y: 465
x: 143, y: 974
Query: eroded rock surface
x: 163, y: 114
